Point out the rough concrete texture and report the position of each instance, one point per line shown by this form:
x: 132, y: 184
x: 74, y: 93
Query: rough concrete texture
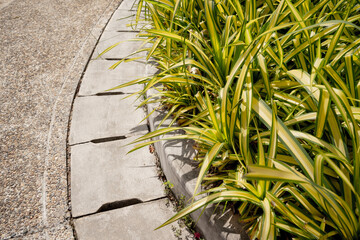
x: 98, y: 78
x: 104, y: 173
x: 44, y: 47
x: 4, y: 3
x: 99, y: 117
x: 136, y: 222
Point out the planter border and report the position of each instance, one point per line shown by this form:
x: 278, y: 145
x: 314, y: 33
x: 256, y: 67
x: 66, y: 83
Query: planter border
x: 176, y: 162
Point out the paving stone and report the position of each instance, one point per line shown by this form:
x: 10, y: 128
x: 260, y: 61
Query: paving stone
x: 98, y: 77
x: 97, y: 117
x: 136, y: 222
x: 122, y: 20
x: 124, y: 48
x: 128, y: 5
x: 104, y: 173
x: 125, y: 20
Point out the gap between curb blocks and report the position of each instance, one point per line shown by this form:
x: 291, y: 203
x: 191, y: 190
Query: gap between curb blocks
x: 119, y: 204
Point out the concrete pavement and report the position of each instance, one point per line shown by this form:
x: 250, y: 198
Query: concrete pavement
x: 44, y: 47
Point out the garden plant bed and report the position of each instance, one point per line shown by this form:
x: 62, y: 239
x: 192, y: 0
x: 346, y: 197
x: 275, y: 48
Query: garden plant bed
x: 270, y: 94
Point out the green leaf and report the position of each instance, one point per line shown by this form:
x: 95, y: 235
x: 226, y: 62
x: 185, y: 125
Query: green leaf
x: 267, y: 173
x: 323, y: 109
x: 210, y: 156
x: 213, y: 198
x: 291, y: 143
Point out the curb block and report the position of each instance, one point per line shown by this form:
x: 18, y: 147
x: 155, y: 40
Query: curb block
x: 105, y: 173
x: 175, y: 158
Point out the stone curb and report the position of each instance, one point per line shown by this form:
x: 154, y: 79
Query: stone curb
x: 175, y: 158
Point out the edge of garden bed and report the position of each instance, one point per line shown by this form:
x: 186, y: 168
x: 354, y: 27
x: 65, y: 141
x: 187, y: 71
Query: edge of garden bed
x: 175, y: 157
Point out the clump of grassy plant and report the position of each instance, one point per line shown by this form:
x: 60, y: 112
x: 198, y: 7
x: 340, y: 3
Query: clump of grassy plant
x: 270, y: 91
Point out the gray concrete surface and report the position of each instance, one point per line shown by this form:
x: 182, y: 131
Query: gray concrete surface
x: 4, y: 3
x: 128, y: 5
x: 44, y: 47
x: 98, y: 117
x: 136, y: 222
x: 123, y: 20
x: 104, y: 173
x: 127, y: 44
x: 98, y: 78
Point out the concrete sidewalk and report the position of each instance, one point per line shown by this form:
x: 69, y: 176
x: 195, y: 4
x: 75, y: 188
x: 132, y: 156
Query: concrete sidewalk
x: 115, y: 195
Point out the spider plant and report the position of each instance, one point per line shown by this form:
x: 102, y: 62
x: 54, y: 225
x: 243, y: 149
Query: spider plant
x: 269, y: 90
